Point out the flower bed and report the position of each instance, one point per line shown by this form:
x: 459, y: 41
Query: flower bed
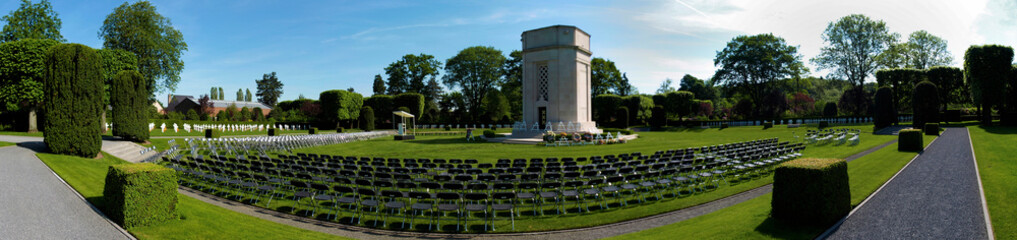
x: 579, y: 138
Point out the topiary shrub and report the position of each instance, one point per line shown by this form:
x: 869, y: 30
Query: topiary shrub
x: 490, y: 134
x: 724, y: 125
x: 367, y: 118
x: 622, y: 115
x: 767, y: 125
x: 925, y: 103
x: 811, y: 191
x: 932, y: 129
x: 129, y: 98
x: 885, y: 111
x: 273, y: 132
x: 910, y: 140
x: 72, y: 104
x: 140, y: 195
x: 824, y: 124
x: 211, y: 133
x: 658, y: 116
x: 448, y: 128
x: 314, y: 130
x: 830, y: 110
x: 340, y: 130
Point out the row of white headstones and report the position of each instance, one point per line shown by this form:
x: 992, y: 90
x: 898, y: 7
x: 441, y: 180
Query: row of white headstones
x: 221, y: 127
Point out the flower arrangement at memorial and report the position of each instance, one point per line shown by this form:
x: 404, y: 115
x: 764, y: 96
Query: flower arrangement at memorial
x: 580, y: 138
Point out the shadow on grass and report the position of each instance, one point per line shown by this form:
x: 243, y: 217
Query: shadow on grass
x: 999, y: 129
x: 779, y: 230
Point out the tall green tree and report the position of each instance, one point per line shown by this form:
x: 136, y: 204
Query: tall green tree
x: 665, y: 86
x: 247, y: 95
x: 474, y: 70
x: 411, y: 73
x: 113, y: 62
x: 986, y: 69
x: 240, y: 95
x: 697, y: 87
x: 379, y: 85
x: 496, y: 107
x: 512, y: 83
x: 222, y: 94
x: 140, y: 29
x: 853, y: 44
x: 950, y: 81
x: 214, y: 94
x: 922, y: 51
x: 21, y: 84
x: 269, y: 89
x: 604, y: 77
x: 751, y: 64
x: 32, y: 21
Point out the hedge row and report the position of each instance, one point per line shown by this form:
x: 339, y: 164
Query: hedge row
x: 813, y: 192
x: 140, y: 195
x: 73, y: 100
x: 932, y: 129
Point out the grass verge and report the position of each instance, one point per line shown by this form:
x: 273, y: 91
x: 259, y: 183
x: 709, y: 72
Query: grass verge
x: 751, y: 219
x: 993, y: 150
x: 4, y: 144
x: 198, y: 220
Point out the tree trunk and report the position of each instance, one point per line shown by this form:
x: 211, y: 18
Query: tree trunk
x: 986, y: 113
x: 33, y: 125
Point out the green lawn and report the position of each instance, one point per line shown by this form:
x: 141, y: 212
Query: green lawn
x: 449, y: 147
x: 455, y: 147
x: 26, y: 134
x: 4, y: 144
x: 198, y: 220
x: 993, y: 149
x: 751, y: 220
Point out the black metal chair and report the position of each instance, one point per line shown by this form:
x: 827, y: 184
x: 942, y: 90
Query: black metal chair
x: 393, y: 205
x: 321, y: 194
x: 477, y: 202
x: 371, y: 202
x: 423, y: 203
x: 448, y: 202
x: 500, y: 205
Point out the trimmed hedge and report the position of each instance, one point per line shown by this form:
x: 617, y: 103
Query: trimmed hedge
x: 211, y: 133
x: 932, y: 129
x: 414, y: 102
x: 339, y: 130
x: 724, y: 125
x: 273, y: 132
x: 129, y: 98
x: 811, y: 191
x: 314, y: 130
x: 910, y: 140
x: 139, y: 195
x: 448, y: 128
x: 72, y: 103
x: 767, y: 125
x: 824, y: 124
x: 490, y: 134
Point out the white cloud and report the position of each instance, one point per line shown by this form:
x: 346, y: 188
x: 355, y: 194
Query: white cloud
x: 802, y: 22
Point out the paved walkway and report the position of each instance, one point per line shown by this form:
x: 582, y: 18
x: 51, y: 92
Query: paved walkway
x: 35, y: 204
x: 935, y: 197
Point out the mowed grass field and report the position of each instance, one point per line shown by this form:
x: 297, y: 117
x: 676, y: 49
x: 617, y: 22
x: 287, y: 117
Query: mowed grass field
x: 198, y: 220
x: 452, y: 147
x: 994, y: 149
x: 751, y: 219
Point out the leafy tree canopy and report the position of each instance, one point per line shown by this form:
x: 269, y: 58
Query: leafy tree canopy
x: 139, y: 29
x: 853, y: 44
x: 32, y: 21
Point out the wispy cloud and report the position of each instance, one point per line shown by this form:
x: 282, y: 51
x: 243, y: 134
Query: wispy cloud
x: 495, y: 17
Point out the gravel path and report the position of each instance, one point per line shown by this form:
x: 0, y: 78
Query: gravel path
x: 935, y: 197
x: 35, y: 204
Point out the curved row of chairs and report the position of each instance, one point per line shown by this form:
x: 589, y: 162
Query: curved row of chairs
x: 415, y: 188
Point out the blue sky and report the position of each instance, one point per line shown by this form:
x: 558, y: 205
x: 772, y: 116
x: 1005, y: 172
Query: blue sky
x: 320, y: 45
